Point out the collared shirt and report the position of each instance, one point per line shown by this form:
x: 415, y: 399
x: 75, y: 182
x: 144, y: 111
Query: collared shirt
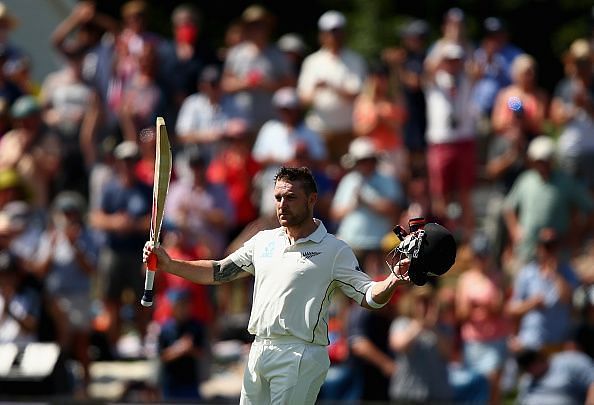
x: 551, y: 324
x: 295, y: 282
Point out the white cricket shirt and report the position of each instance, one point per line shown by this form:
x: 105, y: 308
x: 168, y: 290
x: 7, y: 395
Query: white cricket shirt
x: 294, y: 283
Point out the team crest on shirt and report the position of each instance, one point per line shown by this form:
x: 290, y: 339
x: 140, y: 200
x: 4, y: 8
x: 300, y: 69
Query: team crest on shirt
x: 309, y: 255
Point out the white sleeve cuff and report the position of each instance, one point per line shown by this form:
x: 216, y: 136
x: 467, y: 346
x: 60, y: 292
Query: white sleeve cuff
x: 369, y: 298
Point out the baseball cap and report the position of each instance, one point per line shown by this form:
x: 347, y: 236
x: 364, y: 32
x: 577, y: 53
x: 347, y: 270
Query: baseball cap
x: 69, y: 201
x: 127, y: 150
x: 256, y: 13
x: 286, y: 97
x: 24, y: 107
x: 291, y: 42
x: 210, y: 74
x: 541, y: 148
x: 437, y: 254
x: 454, y: 14
x: 493, y: 25
x: 331, y: 20
x: 359, y: 149
x: 580, y: 49
x: 415, y: 28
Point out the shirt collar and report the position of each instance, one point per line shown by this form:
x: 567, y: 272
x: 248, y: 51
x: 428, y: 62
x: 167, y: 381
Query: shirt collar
x: 316, y: 236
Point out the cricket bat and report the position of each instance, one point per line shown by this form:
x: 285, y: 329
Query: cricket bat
x: 160, y: 187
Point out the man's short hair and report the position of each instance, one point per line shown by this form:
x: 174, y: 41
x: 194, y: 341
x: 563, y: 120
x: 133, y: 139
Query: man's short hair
x: 302, y: 174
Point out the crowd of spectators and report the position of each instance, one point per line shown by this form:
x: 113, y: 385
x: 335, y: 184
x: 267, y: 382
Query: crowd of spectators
x: 456, y: 130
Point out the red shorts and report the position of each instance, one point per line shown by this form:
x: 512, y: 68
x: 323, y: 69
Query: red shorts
x: 451, y: 167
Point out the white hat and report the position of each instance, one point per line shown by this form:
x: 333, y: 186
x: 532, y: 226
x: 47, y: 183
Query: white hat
x: 291, y: 42
x: 331, y: 20
x: 451, y: 50
x: 359, y: 149
x: 286, y: 97
x: 127, y: 150
x: 541, y: 148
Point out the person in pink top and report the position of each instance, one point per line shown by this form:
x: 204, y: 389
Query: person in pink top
x: 479, y: 308
x: 380, y: 115
x: 534, y: 100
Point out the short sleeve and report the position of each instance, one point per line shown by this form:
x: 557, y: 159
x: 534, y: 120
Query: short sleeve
x: 398, y: 325
x: 520, y: 291
x: 243, y: 257
x: 512, y: 199
x: 352, y: 280
x: 184, y: 119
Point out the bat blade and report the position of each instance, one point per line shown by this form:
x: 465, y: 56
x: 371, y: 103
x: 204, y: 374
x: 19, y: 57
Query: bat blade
x: 161, y: 180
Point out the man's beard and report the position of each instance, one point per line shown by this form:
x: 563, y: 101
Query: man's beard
x: 295, y: 220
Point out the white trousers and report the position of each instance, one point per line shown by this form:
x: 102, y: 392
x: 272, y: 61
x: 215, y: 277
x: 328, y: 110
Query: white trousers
x: 284, y: 371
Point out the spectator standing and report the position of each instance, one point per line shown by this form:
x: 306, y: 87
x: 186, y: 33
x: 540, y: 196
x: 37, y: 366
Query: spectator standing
x: 256, y: 68
x: 124, y: 217
x: 422, y: 349
x: 563, y: 378
x: 572, y: 111
x: 406, y: 69
x: 234, y: 167
x: 208, y: 114
x: 120, y: 61
x: 19, y: 305
x: 544, y: 197
x: 183, y: 245
x: 8, y: 22
x: 183, y: 58
x: 329, y: 81
x: 480, y: 300
x: 83, y: 30
x: 65, y: 99
x: 33, y: 150
x: 451, y: 139
x: 295, y: 49
x: 280, y: 139
x: 492, y: 60
x: 366, y: 205
x: 200, y: 207
x: 370, y: 355
x: 505, y: 160
x: 453, y: 31
x: 542, y: 298
x: 534, y: 100
x: 379, y: 114
x: 66, y: 262
x: 142, y: 98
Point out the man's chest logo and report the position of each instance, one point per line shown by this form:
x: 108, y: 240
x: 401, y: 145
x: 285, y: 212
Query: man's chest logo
x: 268, y: 250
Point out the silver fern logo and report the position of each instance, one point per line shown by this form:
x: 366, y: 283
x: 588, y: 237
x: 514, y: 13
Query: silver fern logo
x: 309, y: 255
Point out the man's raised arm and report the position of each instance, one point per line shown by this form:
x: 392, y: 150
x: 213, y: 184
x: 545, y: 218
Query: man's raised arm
x: 196, y: 271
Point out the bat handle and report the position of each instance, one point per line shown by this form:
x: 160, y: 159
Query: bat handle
x: 151, y: 268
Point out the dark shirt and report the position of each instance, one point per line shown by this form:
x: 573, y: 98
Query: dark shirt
x: 182, y: 371
x: 375, y: 327
x: 136, y: 201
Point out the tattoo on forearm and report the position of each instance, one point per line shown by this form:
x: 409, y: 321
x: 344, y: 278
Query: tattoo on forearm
x: 224, y: 271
